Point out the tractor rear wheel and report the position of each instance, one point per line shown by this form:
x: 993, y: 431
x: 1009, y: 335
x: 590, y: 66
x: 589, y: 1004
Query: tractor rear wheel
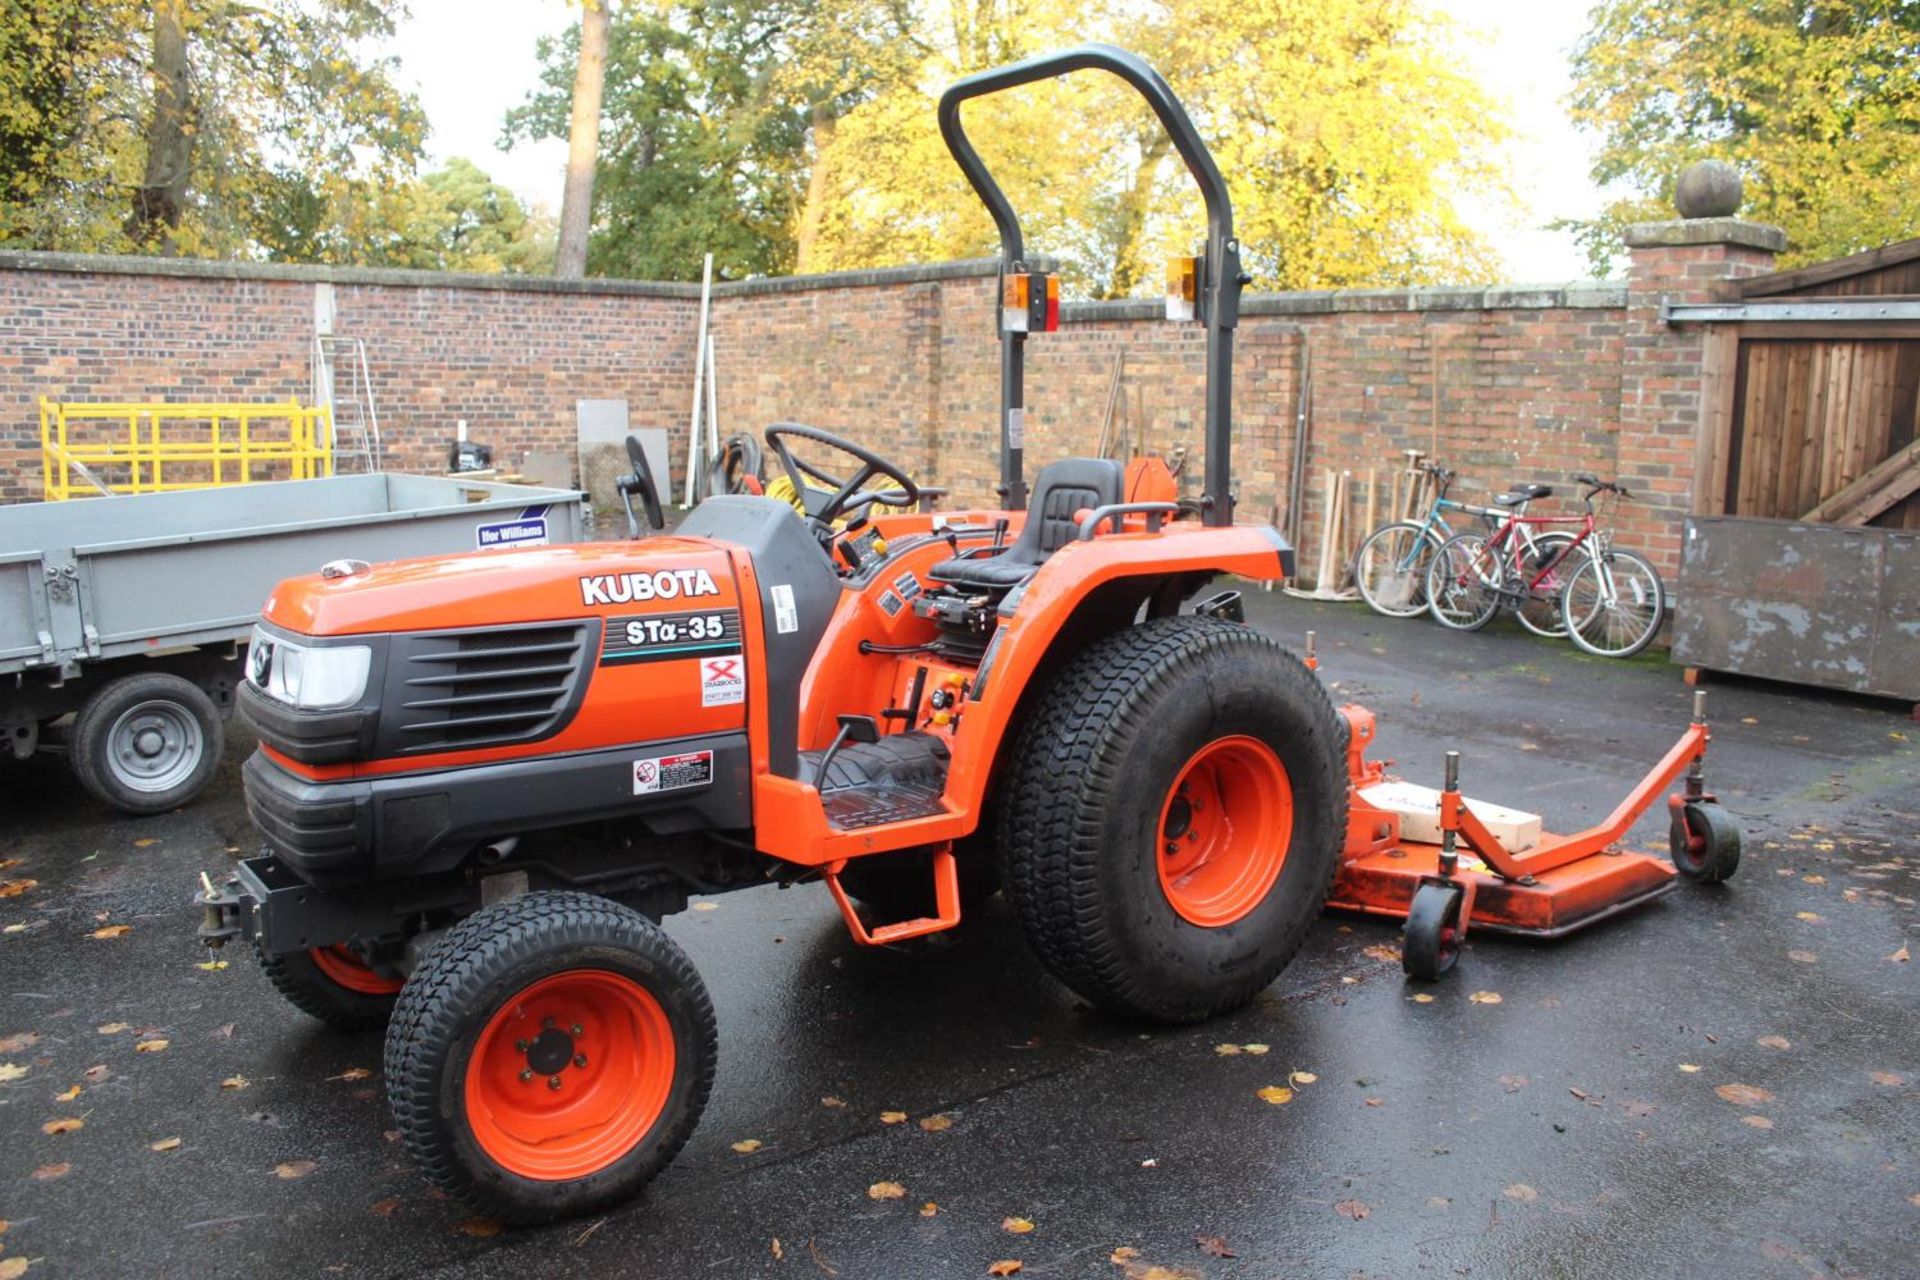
x: 549, y: 1056
x: 333, y: 984
x: 1173, y: 817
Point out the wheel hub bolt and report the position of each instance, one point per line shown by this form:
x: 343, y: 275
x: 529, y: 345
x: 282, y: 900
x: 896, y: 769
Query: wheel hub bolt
x: 1173, y: 846
x: 553, y: 1082
x: 525, y: 1076
x: 523, y: 1045
x: 579, y: 1059
x: 578, y: 1030
x: 546, y: 1024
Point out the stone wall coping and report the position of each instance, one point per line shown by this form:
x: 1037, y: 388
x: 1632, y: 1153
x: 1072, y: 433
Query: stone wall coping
x: 1683, y: 232
x: 1579, y: 295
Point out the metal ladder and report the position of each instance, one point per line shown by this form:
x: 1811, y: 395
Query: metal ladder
x: 356, y: 421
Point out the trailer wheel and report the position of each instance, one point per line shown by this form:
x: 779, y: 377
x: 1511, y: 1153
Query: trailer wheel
x: 549, y: 1056
x: 1431, y: 943
x: 1175, y: 808
x: 1705, y: 843
x: 147, y: 742
x: 333, y: 984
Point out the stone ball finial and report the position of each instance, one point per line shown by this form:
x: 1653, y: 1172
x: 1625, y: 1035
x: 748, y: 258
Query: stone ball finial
x: 1708, y: 189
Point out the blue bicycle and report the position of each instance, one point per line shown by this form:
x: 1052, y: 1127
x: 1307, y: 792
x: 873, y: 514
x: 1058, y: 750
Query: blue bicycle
x: 1390, y: 568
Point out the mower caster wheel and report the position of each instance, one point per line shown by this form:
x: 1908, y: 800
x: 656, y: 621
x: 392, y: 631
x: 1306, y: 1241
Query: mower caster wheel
x: 549, y: 1056
x: 1432, y: 941
x: 1705, y: 843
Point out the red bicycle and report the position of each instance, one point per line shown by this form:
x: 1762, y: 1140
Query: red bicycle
x: 1609, y: 602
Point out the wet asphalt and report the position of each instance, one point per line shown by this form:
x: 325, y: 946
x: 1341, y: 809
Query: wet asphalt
x: 1580, y: 1126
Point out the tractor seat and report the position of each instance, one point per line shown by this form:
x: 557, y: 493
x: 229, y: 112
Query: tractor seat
x: 1523, y: 493
x: 1062, y: 488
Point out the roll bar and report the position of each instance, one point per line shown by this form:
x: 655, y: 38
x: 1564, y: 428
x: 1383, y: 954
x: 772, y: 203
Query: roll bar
x: 1222, y: 281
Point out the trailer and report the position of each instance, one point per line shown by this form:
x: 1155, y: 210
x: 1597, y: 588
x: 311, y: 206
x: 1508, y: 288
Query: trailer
x: 132, y: 614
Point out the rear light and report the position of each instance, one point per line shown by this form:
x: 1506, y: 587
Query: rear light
x: 1030, y: 303
x: 1183, y: 288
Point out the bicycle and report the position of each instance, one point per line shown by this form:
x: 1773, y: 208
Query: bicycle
x: 1610, y: 602
x: 1390, y: 568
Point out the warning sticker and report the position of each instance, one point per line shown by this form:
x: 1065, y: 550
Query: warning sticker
x: 672, y: 773
x: 907, y: 585
x: 891, y: 603
x: 786, y: 619
x: 723, y: 681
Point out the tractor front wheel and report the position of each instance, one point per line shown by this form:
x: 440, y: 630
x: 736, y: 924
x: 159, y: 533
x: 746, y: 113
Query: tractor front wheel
x: 1172, y: 821
x: 549, y: 1056
x: 334, y: 984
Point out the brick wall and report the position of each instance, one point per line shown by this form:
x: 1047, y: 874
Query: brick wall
x: 1504, y: 384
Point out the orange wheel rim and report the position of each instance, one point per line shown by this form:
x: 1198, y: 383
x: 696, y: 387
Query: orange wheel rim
x: 1224, y: 830
x: 569, y: 1075
x: 343, y: 968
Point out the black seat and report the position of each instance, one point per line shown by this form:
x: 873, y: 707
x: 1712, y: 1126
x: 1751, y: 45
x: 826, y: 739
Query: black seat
x: 1062, y: 488
x: 1522, y: 493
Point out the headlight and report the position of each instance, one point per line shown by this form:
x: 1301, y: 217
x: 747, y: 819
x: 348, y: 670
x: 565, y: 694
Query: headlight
x: 309, y: 677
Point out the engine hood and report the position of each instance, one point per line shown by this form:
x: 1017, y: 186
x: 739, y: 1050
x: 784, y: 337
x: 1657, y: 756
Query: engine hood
x: 492, y: 588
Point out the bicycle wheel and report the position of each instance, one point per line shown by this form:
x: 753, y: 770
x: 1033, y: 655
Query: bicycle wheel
x: 1390, y: 569
x: 1613, y: 604
x: 1540, y: 611
x: 1462, y: 583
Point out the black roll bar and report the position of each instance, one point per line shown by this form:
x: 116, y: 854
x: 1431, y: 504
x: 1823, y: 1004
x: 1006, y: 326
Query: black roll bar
x: 1222, y: 278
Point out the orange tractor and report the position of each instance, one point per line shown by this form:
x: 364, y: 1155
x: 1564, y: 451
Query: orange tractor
x: 484, y: 779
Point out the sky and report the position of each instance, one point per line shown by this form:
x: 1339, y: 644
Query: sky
x: 467, y: 85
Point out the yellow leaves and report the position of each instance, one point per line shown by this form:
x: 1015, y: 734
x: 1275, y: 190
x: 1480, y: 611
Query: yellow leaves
x: 1235, y: 1050
x: 1887, y: 1078
x: 1485, y: 997
x: 65, y: 1124
x: 481, y: 1228
x: 893, y: 1117
x: 111, y: 1028
x: 67, y: 1094
x: 165, y: 1144
x: 1902, y: 956
x: 13, y: 1268
x: 112, y: 931
x: 1803, y: 957
x: 706, y: 906
x: 155, y: 1045
x: 51, y: 1172
x: 14, y: 888
x: 1123, y: 1255
x: 1005, y: 1267
x: 145, y: 842
x: 211, y: 966
x: 1275, y: 1095
x: 1689, y: 1067
x: 12, y: 1071
x: 1522, y: 1192
x: 288, y: 1170
x: 831, y: 1101
x: 929, y: 1209
x: 936, y: 1123
x: 1817, y: 880
x: 747, y: 1146
x: 235, y: 1083
x: 1016, y: 1226
x: 1303, y: 1078
x: 1743, y: 1095
x: 1756, y: 1122
x: 352, y: 1073
x: 1774, y: 1042
x: 1422, y: 997
x: 1382, y: 952
x: 1811, y: 917
x: 886, y: 1191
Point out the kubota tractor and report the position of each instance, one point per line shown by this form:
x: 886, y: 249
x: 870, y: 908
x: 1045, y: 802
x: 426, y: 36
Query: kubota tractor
x: 483, y: 779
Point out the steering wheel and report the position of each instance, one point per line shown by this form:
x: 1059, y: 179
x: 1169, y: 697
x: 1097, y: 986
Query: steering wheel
x: 839, y: 497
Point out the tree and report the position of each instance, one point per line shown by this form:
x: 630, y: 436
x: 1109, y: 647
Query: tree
x: 583, y: 139
x: 459, y: 219
x: 204, y: 127
x: 1816, y: 102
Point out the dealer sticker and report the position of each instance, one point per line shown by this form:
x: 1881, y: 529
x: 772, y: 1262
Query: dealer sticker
x: 723, y: 681
x: 672, y: 773
x: 530, y: 530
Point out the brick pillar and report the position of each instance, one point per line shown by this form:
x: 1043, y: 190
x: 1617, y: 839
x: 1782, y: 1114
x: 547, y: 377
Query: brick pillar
x: 1663, y: 370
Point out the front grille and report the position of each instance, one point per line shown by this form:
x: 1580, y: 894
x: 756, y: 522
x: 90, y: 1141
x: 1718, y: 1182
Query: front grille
x: 456, y: 690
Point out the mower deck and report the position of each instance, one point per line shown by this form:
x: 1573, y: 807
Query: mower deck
x: 1557, y: 903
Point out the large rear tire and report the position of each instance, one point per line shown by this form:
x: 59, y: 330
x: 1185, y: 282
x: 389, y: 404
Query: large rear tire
x: 1174, y: 813
x: 549, y: 1056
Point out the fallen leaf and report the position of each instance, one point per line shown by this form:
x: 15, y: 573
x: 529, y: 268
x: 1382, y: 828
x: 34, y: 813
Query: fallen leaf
x: 482, y: 1228
x: 67, y: 1094
x: 1375, y: 1102
x: 150, y: 1046
x: 352, y: 1073
x: 19, y: 1040
x: 1303, y: 1077
x: 1774, y: 1042
x: 1689, y: 1068
x: 1423, y: 997
x: 8, y: 864
x: 747, y: 1146
x: 1887, y: 1078
x: 1485, y: 997
x: 1816, y: 879
x: 1803, y: 957
x: 1214, y: 1247
x: 165, y: 1144
x: 235, y: 1082
x: 1743, y: 1095
x: 224, y: 1031
x: 706, y: 906
x: 212, y: 966
x: 1227, y: 1050
x: 13, y: 1268
x: 48, y: 1172
x: 384, y: 1208
x: 111, y: 1028
x: 1514, y: 1084
x: 1005, y: 1267
x: 96, y: 1073
x: 1756, y: 1122
x: 14, y: 928
x: 1901, y: 956
x: 1256, y: 1050
x: 936, y: 1123
x: 831, y: 1101
x: 893, y: 1117
x: 1811, y: 917
x: 1127, y: 1253
x: 1439, y: 1202
x: 1382, y: 952
x: 886, y: 1191
x: 774, y: 1247
x: 145, y: 842
x: 12, y: 1071
x: 1278, y: 1095
x: 1748, y: 720
x: 290, y: 1169
x: 1522, y: 1192
x: 1017, y: 1226
x: 112, y: 931
x: 928, y: 1209
x: 14, y: 888
x: 1354, y: 1209
x: 65, y: 1124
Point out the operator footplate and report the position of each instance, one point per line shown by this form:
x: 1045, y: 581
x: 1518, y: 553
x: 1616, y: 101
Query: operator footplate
x: 869, y: 784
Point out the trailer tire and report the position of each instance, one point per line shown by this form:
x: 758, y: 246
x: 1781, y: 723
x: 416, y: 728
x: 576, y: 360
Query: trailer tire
x: 333, y: 985
x: 549, y: 986
x: 1175, y: 810
x: 147, y: 742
